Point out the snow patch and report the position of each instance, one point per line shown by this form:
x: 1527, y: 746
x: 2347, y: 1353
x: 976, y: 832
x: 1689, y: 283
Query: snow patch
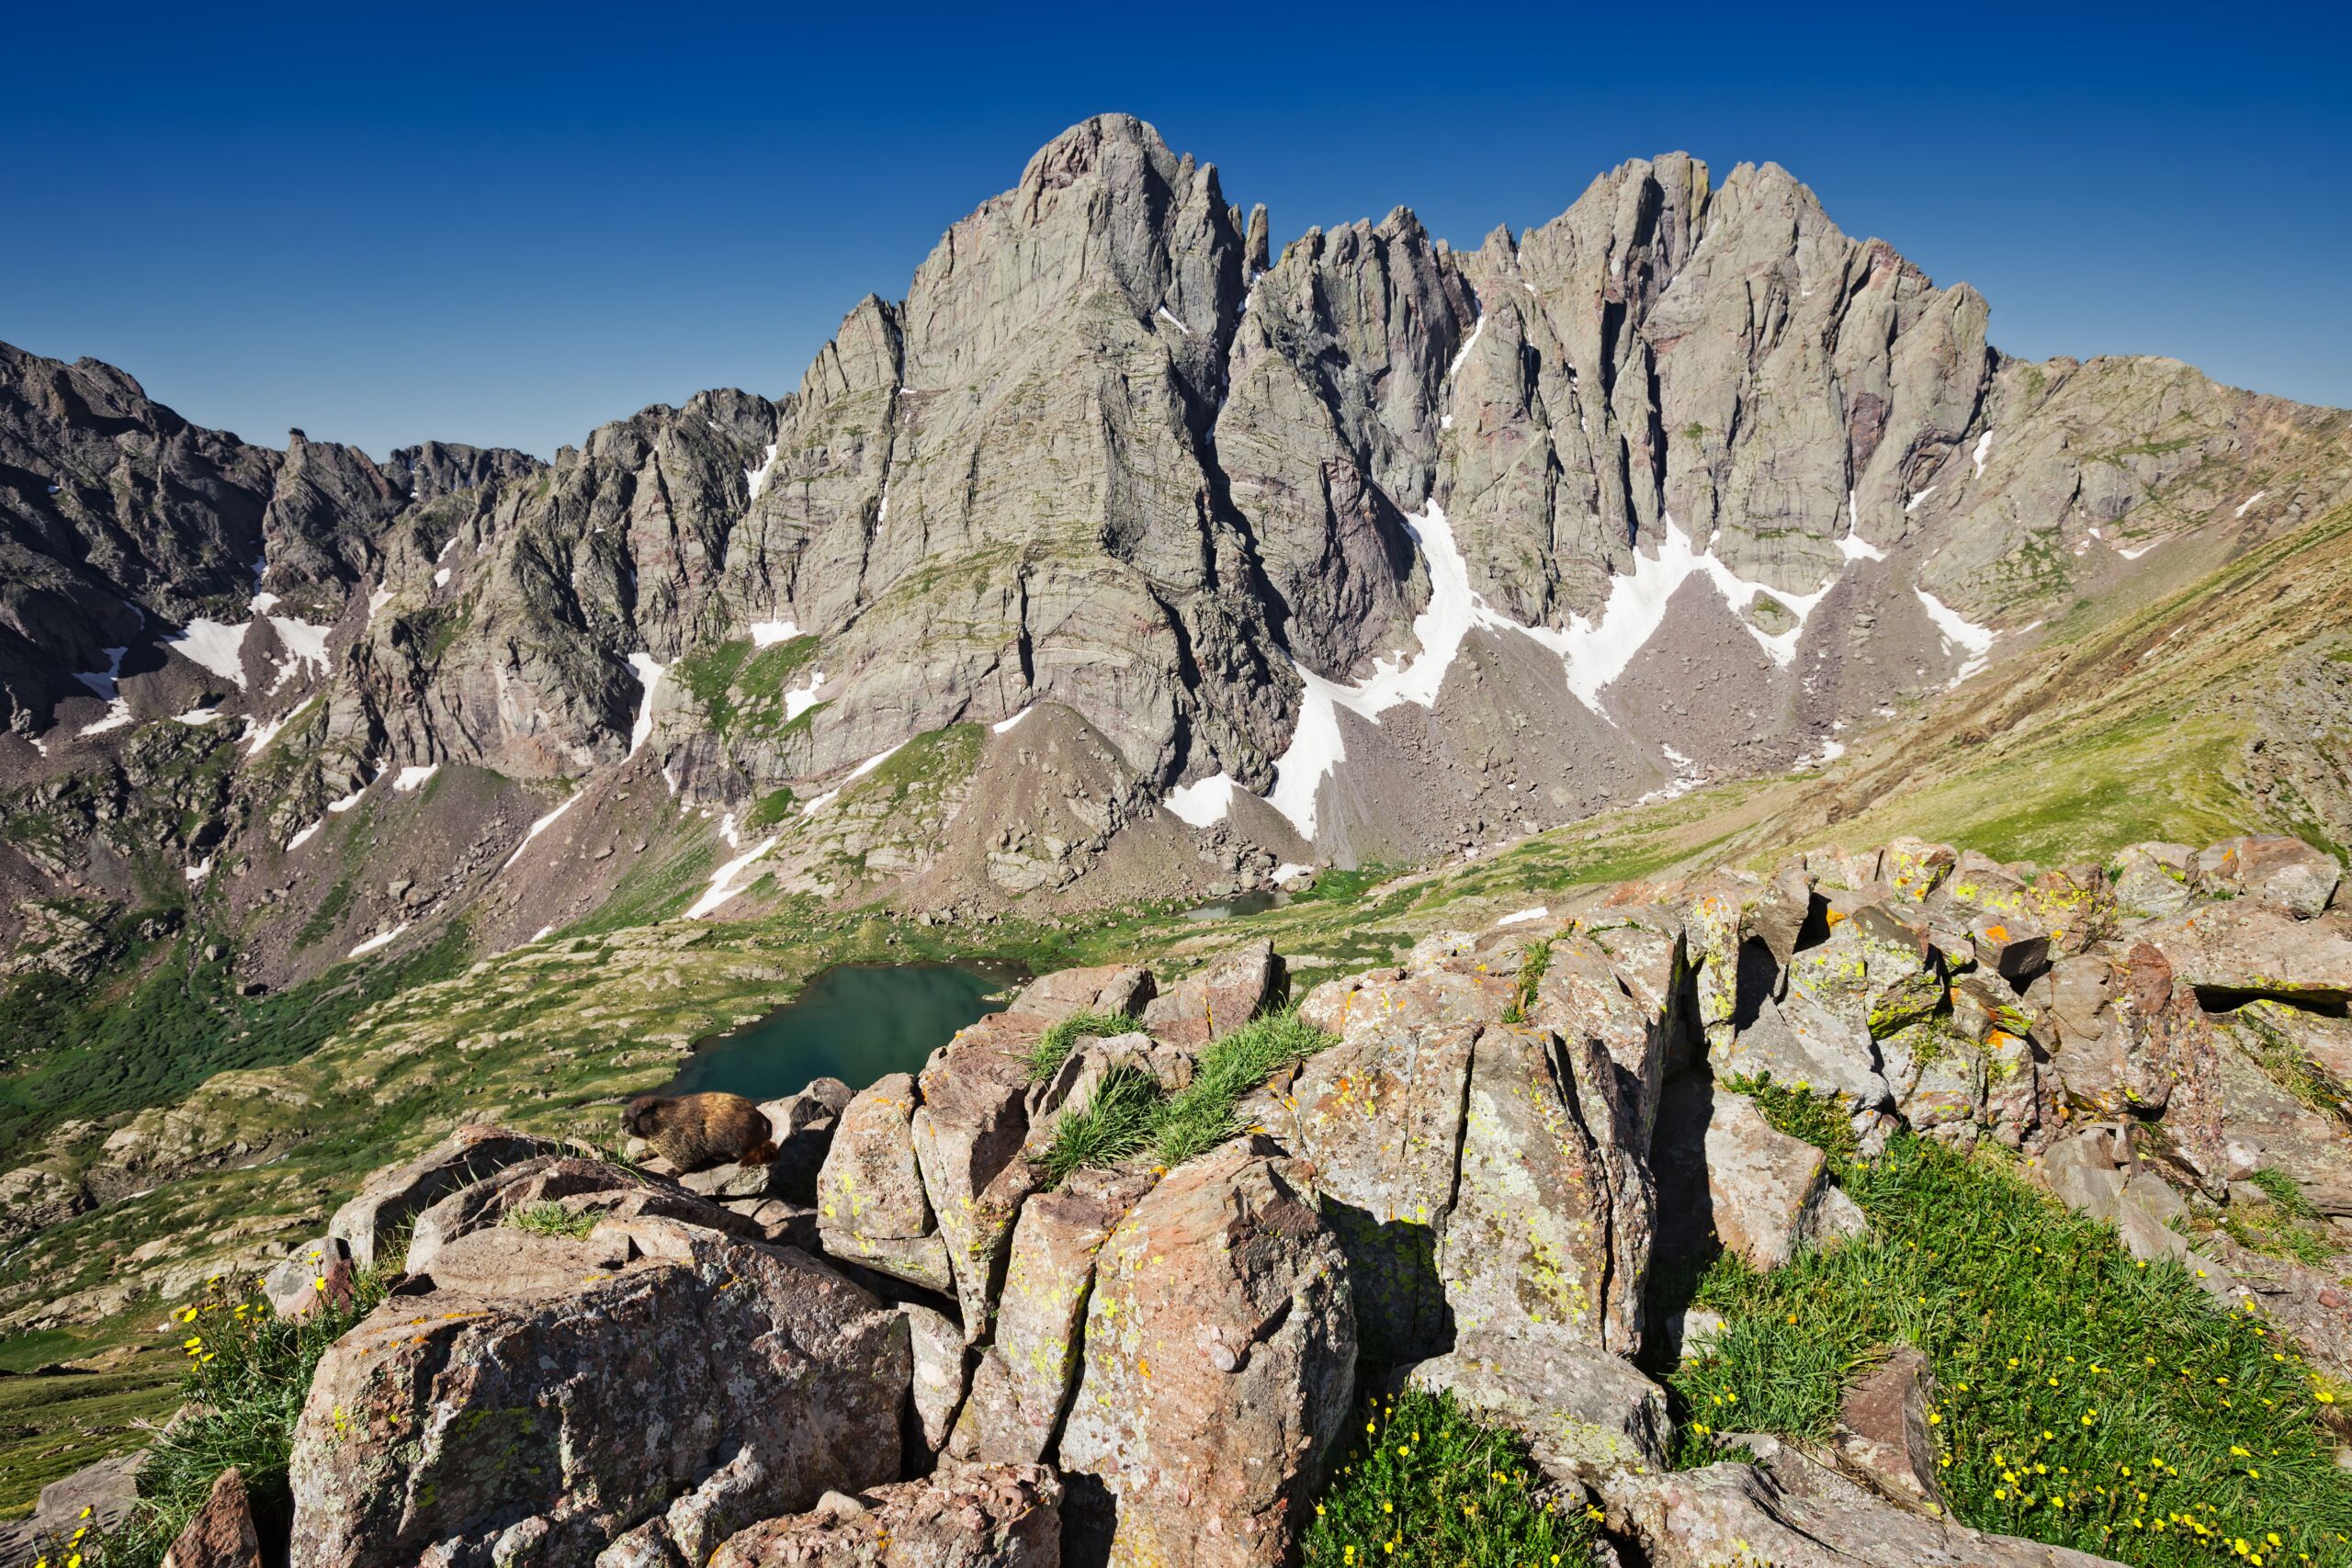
x: 722, y: 882
x: 855, y: 774
x: 305, y: 836
x: 767, y: 633
x: 541, y: 934
x: 347, y: 802
x: 377, y: 600
x: 197, y: 716
x: 756, y: 480
x: 215, y: 645
x: 1166, y: 315
x: 1002, y: 724
x: 2129, y: 553
x: 1958, y: 632
x: 541, y: 825
x: 2247, y: 505
x: 441, y: 578
x: 382, y: 939
x: 447, y: 545
x: 199, y: 870
x: 649, y: 676
x: 1467, y: 345
x: 1853, y: 547
x: 1203, y: 802
x: 258, y: 734
x: 1912, y: 504
x: 1523, y: 917
x: 412, y: 778
x: 800, y: 699
x: 1984, y: 445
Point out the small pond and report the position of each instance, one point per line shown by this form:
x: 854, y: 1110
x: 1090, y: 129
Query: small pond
x: 1226, y: 909
x: 857, y: 1023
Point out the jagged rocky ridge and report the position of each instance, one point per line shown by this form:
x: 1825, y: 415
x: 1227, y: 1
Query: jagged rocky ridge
x: 1121, y: 553
x: 904, y: 1328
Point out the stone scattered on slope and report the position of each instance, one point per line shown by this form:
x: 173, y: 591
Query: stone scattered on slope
x: 1583, y: 1412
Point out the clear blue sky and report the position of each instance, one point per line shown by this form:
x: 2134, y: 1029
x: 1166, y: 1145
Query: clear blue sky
x: 504, y: 225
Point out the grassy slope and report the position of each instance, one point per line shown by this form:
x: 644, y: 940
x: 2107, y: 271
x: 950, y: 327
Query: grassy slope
x: 2117, y: 728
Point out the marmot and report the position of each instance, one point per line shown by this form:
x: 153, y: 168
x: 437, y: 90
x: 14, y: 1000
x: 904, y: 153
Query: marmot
x: 693, y: 1131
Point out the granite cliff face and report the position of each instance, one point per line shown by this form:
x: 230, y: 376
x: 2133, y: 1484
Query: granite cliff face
x: 1121, y: 556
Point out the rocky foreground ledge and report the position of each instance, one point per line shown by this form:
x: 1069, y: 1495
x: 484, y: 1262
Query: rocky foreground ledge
x: 925, y: 1335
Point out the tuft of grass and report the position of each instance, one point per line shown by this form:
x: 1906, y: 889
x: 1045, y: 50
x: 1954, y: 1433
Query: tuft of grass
x: 1422, y: 1482
x: 1115, y: 1123
x: 553, y: 1219
x: 1820, y: 1120
x: 1533, y: 960
x: 1192, y: 1122
x: 2285, y: 1192
x: 1053, y: 1046
x: 2086, y: 1399
x: 1202, y: 1116
x: 249, y: 1372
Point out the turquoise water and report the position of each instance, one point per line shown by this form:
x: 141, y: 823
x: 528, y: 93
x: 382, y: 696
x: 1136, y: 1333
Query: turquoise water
x: 1235, y: 904
x: 856, y: 1023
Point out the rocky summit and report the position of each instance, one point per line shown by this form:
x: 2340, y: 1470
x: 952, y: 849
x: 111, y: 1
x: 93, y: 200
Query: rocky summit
x: 1618, y: 899
x: 1122, y: 553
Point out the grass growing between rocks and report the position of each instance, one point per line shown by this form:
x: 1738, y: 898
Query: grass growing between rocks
x: 1128, y: 1110
x: 1421, y: 1482
x: 1053, y: 1046
x: 2086, y: 1399
x: 553, y: 1219
x: 249, y: 1372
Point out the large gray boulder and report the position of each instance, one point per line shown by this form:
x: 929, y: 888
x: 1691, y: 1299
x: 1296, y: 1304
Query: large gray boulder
x: 634, y: 1397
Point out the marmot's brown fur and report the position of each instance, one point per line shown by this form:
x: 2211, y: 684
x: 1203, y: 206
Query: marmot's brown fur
x: 693, y: 1131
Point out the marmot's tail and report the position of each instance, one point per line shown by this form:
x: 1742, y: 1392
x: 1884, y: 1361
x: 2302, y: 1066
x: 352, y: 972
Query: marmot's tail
x: 760, y: 1153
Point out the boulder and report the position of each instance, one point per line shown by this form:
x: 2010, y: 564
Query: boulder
x: 823, y: 1100
x: 317, y: 1275
x: 1024, y: 1379
x: 962, y: 1517
x: 1727, y: 1175
x: 1219, y: 1358
x: 221, y: 1534
x: 2241, y: 949
x: 2151, y: 881
x: 100, y: 1495
x: 937, y: 1342
x: 1218, y: 998
x: 1883, y: 1436
x: 391, y: 1197
x: 1794, y: 1512
x: 1876, y: 971
x: 1800, y: 1044
x: 969, y: 1132
x: 1121, y: 988
x: 2284, y: 873
x: 1582, y: 1412
x: 870, y: 1203
x: 569, y: 1182
x: 645, y: 1392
